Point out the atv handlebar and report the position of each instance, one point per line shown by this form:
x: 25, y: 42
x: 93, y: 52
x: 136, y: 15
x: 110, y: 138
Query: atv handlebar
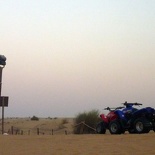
x: 107, y: 108
x: 112, y: 109
x: 138, y: 104
x: 119, y: 108
x: 132, y: 104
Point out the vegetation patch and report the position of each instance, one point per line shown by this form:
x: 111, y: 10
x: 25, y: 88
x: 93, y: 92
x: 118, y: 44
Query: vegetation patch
x: 34, y: 118
x: 86, y: 122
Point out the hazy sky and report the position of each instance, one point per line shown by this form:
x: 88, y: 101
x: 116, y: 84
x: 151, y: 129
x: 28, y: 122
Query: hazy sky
x: 70, y: 56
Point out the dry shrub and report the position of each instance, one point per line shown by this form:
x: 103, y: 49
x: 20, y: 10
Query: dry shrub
x: 34, y: 118
x: 90, y: 118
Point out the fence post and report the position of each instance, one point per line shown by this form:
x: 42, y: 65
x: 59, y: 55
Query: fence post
x: 12, y: 130
x: 17, y: 131
x: 37, y: 131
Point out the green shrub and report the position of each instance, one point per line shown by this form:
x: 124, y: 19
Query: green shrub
x: 90, y: 118
x: 34, y: 118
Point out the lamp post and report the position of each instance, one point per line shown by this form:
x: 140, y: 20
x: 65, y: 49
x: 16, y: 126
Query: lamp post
x: 2, y: 65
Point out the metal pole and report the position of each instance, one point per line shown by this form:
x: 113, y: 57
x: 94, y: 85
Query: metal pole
x: 1, y: 68
x: 3, y: 115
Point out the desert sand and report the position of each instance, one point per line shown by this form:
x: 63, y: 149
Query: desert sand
x: 71, y: 144
x: 92, y: 144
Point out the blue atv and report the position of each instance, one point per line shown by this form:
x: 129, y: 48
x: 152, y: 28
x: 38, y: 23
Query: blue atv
x: 135, y: 120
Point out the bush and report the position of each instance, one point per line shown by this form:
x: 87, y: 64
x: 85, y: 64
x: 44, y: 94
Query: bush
x: 64, y: 121
x: 90, y: 118
x: 34, y: 118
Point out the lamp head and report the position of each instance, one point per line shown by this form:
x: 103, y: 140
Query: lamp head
x: 2, y: 60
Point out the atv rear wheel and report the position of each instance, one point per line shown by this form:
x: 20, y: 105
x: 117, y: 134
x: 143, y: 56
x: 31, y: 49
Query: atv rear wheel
x: 115, y: 127
x: 141, y: 125
x: 100, y: 128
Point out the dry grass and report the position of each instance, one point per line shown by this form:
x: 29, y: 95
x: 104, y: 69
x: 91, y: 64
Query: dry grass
x: 61, y: 144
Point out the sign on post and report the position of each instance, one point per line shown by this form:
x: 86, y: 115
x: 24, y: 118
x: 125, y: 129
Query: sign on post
x: 4, y: 101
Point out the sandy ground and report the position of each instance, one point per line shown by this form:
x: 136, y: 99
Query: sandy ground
x: 70, y: 144
x: 91, y: 144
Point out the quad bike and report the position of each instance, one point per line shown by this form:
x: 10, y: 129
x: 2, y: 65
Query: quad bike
x: 133, y: 120
x: 107, y: 119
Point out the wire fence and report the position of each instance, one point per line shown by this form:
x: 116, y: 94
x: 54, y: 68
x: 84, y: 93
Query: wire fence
x: 36, y: 131
x: 82, y: 128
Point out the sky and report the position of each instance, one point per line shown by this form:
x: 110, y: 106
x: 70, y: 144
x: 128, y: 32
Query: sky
x: 65, y: 57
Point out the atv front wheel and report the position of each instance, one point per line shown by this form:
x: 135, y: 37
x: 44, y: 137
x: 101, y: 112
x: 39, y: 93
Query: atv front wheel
x: 100, y: 128
x: 115, y: 127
